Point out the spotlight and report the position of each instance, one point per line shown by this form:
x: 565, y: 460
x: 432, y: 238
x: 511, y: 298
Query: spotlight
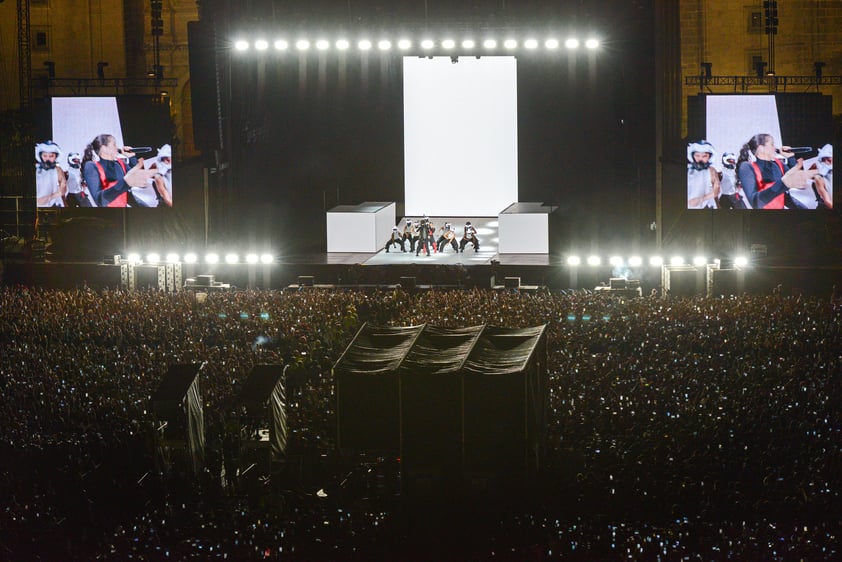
x: 741, y: 261
x: 323, y: 44
x: 190, y: 258
x: 531, y: 44
x: 266, y: 258
x: 133, y: 258
x: 594, y: 260
x: 172, y: 257
x: 572, y: 43
x: 616, y: 261
x: 404, y: 44
x: 261, y: 44
x: 212, y: 258
x: 153, y: 258
x: 342, y: 45
x: 656, y: 261
x: 489, y: 44
x: 281, y: 45
x: 241, y: 45
x: 384, y: 44
x: 510, y: 43
x: 574, y: 260
x: 232, y: 258
x: 427, y: 44
x: 676, y: 260
x: 448, y: 44
x: 551, y: 44
x: 468, y: 44
x: 100, y: 69
x: 699, y: 261
x: 302, y: 45
x: 364, y: 45
x: 635, y: 261
x: 592, y: 43
x: 252, y: 258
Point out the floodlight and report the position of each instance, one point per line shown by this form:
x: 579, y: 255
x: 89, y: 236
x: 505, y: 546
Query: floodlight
x: 489, y: 44
x: 551, y: 43
x: 133, y: 258
x: 190, y: 258
x: 281, y: 45
x: 616, y: 261
x: 342, y: 45
x: 252, y: 258
x: 404, y: 44
x: 232, y: 258
x: 448, y: 44
x: 594, y: 260
x: 153, y: 257
x: 172, y: 257
x: 676, y: 260
x: 635, y: 261
x: 656, y: 261
x: 261, y: 44
x: 572, y: 43
x: 266, y: 258
x: 323, y: 44
x: 241, y: 45
x: 384, y: 44
x: 531, y: 44
x: 699, y: 261
x: 592, y: 43
x: 741, y: 261
x: 510, y: 43
x: 364, y: 45
x: 212, y: 258
x: 468, y: 44
x: 427, y: 44
x: 302, y: 44
x: 573, y: 260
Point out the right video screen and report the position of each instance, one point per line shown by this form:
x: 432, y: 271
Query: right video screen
x: 760, y: 152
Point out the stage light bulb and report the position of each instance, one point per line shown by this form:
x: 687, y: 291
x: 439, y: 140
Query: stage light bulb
x: 616, y: 261
x: 252, y: 258
x: 468, y: 44
x: 323, y: 44
x: 489, y: 44
x: 364, y: 45
x: 592, y: 43
x: 551, y: 43
x: 572, y: 43
x: 676, y: 260
x: 427, y: 44
x: 699, y: 261
x: 342, y: 45
x: 635, y: 261
x: 153, y: 258
x: 133, y: 258
x: 510, y: 43
x: 232, y: 258
x: 404, y: 44
x: 261, y: 44
x: 448, y: 44
x: 594, y: 260
x: 574, y: 260
x: 172, y: 257
x: 656, y: 261
x: 241, y: 45
x: 212, y: 258
x: 191, y: 258
x: 302, y: 44
x: 384, y: 44
x: 530, y: 44
x: 281, y: 45
x: 741, y: 261
x: 267, y: 258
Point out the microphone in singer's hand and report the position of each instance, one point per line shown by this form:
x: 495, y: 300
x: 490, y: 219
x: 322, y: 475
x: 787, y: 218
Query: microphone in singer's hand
x: 140, y: 149
x: 798, y: 149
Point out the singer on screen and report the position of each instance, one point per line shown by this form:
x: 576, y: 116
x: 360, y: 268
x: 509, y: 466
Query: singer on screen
x: 108, y: 177
x: 766, y: 179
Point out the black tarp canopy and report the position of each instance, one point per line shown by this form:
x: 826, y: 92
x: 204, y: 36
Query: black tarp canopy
x: 263, y: 397
x: 178, y: 402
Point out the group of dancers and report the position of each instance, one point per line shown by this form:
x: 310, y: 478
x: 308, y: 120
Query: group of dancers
x: 421, y: 235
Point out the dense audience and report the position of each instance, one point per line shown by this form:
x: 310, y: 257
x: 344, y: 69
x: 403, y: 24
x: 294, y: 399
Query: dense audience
x: 698, y: 429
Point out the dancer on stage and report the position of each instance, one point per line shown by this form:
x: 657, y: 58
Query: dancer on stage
x: 469, y: 235
x: 448, y: 236
x: 396, y: 239
x: 410, y: 234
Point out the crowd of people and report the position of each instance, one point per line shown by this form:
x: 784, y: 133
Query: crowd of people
x: 678, y: 428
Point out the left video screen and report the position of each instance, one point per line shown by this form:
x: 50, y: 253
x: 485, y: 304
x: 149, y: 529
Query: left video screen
x: 104, y: 152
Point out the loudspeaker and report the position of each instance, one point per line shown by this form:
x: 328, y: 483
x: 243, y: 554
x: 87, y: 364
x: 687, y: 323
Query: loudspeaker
x: 407, y: 283
x: 511, y: 282
x: 111, y: 259
x: 204, y: 280
x: 305, y: 281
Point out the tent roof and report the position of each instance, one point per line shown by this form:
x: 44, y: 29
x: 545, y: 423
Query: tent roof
x: 176, y: 382
x: 260, y: 383
x: 436, y: 350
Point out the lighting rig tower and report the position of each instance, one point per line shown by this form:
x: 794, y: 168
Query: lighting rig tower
x: 24, y: 57
x: 770, y: 8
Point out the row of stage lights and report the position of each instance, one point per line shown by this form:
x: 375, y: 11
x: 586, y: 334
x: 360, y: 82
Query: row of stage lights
x: 210, y: 258
x: 654, y: 261
x: 550, y: 44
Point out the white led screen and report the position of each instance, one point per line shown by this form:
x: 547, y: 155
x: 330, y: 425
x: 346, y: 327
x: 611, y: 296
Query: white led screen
x: 460, y: 135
